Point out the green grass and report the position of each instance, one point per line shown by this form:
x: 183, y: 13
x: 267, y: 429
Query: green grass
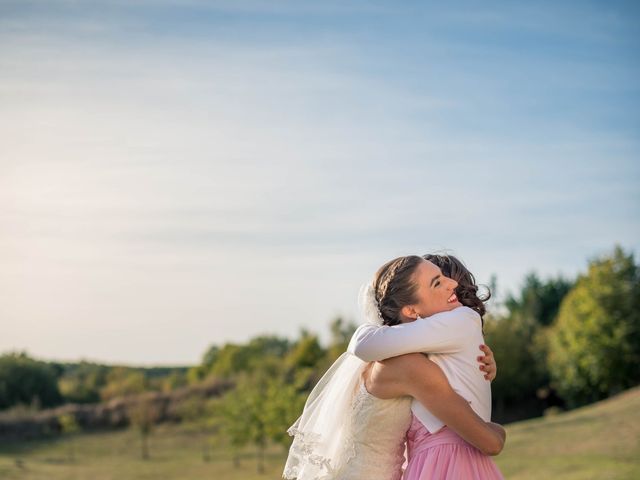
x: 175, y: 451
x: 600, y: 441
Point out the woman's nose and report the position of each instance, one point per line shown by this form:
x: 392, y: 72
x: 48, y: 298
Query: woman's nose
x: 454, y: 284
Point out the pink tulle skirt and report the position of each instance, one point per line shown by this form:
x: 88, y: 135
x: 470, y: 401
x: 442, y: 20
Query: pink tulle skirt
x: 445, y: 456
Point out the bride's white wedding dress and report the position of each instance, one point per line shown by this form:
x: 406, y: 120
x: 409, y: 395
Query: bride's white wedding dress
x: 379, y: 428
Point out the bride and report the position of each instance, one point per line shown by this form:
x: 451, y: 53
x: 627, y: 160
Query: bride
x: 356, y: 418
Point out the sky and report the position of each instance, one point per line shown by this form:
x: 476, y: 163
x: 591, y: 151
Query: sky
x: 178, y: 174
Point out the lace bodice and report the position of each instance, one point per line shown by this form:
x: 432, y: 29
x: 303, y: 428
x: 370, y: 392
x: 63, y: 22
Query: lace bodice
x: 379, y: 427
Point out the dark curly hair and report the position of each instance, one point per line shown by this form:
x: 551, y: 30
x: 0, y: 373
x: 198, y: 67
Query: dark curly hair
x: 467, y: 290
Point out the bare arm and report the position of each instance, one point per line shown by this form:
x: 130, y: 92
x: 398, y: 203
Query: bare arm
x: 417, y: 376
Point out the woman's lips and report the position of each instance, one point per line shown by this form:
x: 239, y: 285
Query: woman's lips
x: 453, y: 298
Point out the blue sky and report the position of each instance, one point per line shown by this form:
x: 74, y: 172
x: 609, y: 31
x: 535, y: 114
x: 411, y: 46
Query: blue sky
x: 177, y: 174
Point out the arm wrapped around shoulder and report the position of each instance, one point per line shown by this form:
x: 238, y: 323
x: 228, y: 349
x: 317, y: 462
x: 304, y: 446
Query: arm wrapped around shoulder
x: 445, y: 332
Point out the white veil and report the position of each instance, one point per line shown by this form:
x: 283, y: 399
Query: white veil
x: 323, y: 435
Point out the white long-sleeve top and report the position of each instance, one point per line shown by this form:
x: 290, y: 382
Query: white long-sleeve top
x: 451, y: 340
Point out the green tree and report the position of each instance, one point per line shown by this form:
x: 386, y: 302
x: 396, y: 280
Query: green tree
x: 306, y: 352
x: 69, y: 427
x: 244, y: 418
x: 203, y: 415
x: 261, y: 408
x: 173, y: 381
x: 143, y: 415
x: 511, y: 339
x: 199, y: 372
x: 594, y: 346
x: 518, y: 341
x: 26, y: 381
x: 82, y: 382
x: 232, y: 358
x: 283, y: 404
x: 123, y: 381
x: 341, y: 332
x: 539, y: 300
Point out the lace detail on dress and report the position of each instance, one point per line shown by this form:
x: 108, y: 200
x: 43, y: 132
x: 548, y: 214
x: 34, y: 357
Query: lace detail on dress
x: 373, y: 450
x: 301, y: 457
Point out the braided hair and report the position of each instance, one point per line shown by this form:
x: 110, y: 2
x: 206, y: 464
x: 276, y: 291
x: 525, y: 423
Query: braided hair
x: 395, y: 288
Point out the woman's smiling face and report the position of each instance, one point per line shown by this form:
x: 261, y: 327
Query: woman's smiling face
x: 435, y: 292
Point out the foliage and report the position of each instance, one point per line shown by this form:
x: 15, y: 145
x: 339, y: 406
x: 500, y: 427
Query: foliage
x: 82, y: 382
x: 283, y: 403
x: 594, y: 347
x: 26, y: 381
x: 173, y: 381
x: 341, y: 333
x: 232, y: 359
x: 260, y: 409
x: 306, y: 352
x: 518, y: 340
x: 143, y: 416
x: 539, y: 300
x: 244, y: 419
x: 595, y: 442
x: 580, y: 340
x: 510, y: 339
x: 123, y: 381
x: 69, y: 426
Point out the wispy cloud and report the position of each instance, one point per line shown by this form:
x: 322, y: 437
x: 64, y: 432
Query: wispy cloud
x: 160, y: 169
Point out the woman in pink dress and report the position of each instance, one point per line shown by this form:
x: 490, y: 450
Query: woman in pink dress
x: 355, y: 420
x: 450, y: 333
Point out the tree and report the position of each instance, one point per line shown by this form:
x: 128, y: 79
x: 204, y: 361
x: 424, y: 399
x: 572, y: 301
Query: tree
x: 539, y: 300
x: 306, y: 353
x: 82, y: 382
x: 232, y: 359
x: 143, y: 415
x: 517, y: 338
x: 26, y: 381
x: 511, y: 340
x: 283, y: 403
x: 204, y: 416
x: 341, y: 332
x: 69, y: 427
x: 123, y: 381
x: 594, y: 346
x: 261, y: 408
x: 244, y: 418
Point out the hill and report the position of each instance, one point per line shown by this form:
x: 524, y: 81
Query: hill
x: 598, y: 441
x: 601, y: 440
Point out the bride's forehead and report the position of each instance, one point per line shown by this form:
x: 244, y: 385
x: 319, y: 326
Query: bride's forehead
x: 427, y: 269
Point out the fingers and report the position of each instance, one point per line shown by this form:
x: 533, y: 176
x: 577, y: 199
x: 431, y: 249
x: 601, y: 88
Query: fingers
x: 487, y: 351
x: 486, y: 359
x: 490, y: 368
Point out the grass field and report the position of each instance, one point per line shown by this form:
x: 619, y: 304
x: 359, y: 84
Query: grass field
x: 600, y: 441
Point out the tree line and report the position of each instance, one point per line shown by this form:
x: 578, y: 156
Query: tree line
x: 559, y: 343
x: 33, y: 384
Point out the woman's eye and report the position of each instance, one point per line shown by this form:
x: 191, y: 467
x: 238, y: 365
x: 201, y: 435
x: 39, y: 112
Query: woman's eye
x: 437, y: 284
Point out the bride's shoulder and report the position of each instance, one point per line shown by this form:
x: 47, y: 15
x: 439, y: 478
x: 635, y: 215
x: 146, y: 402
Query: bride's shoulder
x: 461, y: 313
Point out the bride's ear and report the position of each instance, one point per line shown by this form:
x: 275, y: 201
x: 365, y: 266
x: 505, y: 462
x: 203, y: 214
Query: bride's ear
x: 409, y: 313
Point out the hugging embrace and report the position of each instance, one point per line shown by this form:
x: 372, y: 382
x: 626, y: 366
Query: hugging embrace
x: 413, y: 379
